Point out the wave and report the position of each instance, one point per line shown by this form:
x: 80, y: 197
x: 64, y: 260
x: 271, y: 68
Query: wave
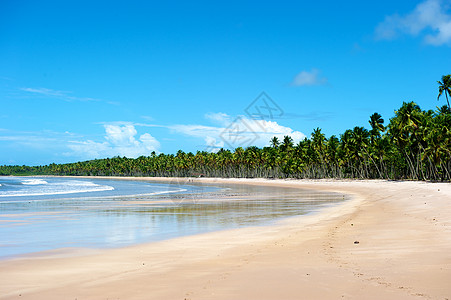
x: 33, y: 182
x: 20, y: 188
x: 107, y: 188
x: 40, y: 187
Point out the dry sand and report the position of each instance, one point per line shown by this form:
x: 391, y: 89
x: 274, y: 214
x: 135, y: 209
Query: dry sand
x: 392, y: 241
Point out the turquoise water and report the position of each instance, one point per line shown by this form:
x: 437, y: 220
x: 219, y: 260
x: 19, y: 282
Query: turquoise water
x: 38, y: 214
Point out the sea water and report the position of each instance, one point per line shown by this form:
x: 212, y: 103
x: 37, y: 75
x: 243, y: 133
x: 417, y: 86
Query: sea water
x: 45, y: 213
x: 43, y: 188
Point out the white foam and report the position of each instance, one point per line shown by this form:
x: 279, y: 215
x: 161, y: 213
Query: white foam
x: 106, y: 188
x: 40, y: 187
x: 34, y: 181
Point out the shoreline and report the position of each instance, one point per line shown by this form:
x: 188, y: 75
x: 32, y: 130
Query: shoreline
x: 391, y: 241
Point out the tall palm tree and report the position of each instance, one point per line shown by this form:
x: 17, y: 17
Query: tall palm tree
x: 445, y: 88
x: 318, y: 139
x: 377, y: 126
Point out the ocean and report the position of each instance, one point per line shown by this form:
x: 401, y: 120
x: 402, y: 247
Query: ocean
x: 47, y: 213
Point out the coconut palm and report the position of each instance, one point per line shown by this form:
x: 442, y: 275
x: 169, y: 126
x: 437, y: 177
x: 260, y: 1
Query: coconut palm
x: 445, y: 88
x: 275, y: 142
x: 318, y: 139
x: 377, y: 126
x: 287, y: 143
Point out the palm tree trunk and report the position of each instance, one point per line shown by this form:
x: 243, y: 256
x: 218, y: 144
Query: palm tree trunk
x: 447, y: 101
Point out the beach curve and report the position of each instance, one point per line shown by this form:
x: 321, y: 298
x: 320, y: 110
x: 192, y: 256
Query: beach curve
x: 391, y: 241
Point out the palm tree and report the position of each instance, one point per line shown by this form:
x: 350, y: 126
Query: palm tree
x: 275, y: 142
x: 443, y: 110
x: 318, y: 139
x: 287, y: 143
x: 377, y: 125
x: 445, y: 88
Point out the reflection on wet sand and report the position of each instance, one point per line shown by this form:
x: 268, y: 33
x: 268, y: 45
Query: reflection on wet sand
x: 117, y: 221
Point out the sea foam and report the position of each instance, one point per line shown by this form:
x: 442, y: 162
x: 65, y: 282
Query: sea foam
x: 40, y: 187
x: 34, y: 181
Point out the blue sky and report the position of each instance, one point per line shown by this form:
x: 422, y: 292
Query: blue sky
x: 92, y: 79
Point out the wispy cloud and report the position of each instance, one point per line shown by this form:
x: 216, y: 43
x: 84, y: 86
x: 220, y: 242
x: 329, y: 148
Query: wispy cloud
x: 430, y: 19
x: 147, y: 118
x: 62, y: 95
x: 27, y: 140
x: 219, y: 118
x: 136, y: 124
x: 44, y: 139
x: 312, y: 77
x: 46, y: 92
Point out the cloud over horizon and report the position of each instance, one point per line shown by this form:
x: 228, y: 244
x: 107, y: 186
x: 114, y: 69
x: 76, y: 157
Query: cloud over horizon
x: 430, y: 18
x: 236, y: 132
x: 120, y: 140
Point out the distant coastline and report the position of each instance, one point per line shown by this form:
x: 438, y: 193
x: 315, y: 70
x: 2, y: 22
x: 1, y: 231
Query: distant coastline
x: 415, y: 145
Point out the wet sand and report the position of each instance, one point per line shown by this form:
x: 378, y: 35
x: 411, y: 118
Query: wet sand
x: 391, y: 241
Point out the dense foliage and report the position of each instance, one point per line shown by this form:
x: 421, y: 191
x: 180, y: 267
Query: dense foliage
x: 416, y: 145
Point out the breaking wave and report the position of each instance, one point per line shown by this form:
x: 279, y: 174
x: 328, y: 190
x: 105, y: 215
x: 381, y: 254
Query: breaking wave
x: 18, y: 187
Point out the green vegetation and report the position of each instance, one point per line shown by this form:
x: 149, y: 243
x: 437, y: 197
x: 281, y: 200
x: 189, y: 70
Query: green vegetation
x: 415, y: 145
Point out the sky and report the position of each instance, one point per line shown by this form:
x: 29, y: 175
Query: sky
x: 82, y: 80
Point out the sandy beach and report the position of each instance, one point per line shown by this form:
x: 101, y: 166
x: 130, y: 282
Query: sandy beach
x: 391, y: 241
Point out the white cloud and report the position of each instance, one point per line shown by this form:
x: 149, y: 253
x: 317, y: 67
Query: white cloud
x: 268, y: 129
x: 429, y: 17
x: 212, y: 144
x: 123, y: 136
x: 239, y: 132
x: 309, y: 78
x: 149, y: 142
x: 120, y: 140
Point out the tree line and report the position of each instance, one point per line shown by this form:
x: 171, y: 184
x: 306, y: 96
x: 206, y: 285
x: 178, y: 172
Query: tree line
x: 414, y: 145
